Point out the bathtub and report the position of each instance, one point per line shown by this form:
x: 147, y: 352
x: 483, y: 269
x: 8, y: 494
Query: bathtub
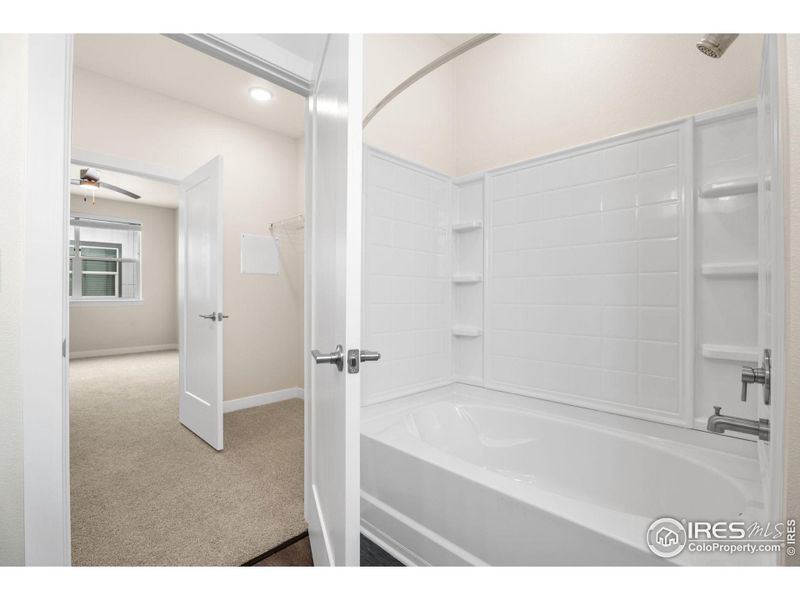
x: 461, y: 475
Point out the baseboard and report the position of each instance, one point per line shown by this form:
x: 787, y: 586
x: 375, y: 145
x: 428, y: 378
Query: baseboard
x: 120, y: 351
x: 261, y: 399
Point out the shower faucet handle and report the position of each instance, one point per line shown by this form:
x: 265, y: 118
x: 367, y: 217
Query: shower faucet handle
x: 746, y: 380
x: 751, y: 375
x: 760, y: 375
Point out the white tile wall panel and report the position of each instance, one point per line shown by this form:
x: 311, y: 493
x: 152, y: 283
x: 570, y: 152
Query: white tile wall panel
x: 584, y: 297
x: 407, y: 277
x: 726, y: 231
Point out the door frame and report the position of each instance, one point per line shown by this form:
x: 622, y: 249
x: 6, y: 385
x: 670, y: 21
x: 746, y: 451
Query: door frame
x: 45, y: 312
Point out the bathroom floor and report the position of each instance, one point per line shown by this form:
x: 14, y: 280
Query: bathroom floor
x: 147, y: 491
x: 298, y: 554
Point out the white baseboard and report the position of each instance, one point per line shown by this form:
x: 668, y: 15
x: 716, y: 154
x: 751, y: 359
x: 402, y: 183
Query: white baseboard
x: 119, y: 351
x: 261, y: 399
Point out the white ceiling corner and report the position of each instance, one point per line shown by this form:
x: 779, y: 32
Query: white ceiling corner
x: 162, y: 65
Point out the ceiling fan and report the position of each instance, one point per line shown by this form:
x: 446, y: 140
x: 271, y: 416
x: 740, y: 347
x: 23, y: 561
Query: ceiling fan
x: 91, y: 178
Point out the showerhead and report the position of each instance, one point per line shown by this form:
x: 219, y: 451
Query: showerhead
x: 715, y: 44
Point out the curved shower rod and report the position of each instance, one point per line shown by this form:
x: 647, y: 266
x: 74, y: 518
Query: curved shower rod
x: 431, y: 66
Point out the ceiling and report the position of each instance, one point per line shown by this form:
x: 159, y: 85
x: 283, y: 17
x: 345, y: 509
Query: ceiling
x: 154, y: 193
x: 162, y: 65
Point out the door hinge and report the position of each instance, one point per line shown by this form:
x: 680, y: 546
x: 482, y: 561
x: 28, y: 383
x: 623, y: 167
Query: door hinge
x: 64, y: 348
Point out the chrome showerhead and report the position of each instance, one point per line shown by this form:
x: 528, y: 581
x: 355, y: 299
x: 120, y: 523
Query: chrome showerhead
x: 715, y: 44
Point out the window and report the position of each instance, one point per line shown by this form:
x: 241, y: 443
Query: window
x: 104, y: 259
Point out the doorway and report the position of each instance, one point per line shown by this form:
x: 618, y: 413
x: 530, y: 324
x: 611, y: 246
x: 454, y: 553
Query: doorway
x: 326, y: 69
x: 202, y: 463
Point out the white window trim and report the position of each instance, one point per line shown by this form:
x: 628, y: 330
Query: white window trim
x: 76, y: 293
x: 97, y: 301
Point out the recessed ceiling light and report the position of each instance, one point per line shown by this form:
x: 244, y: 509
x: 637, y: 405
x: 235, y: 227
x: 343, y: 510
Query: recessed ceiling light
x: 260, y: 94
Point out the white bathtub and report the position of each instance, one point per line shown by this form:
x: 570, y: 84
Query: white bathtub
x: 463, y: 475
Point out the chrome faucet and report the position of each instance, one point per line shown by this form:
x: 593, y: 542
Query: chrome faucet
x: 719, y: 423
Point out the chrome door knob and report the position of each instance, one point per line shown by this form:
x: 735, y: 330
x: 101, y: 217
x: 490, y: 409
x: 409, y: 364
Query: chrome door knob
x: 334, y: 358
x: 212, y: 316
x: 356, y: 356
x: 370, y: 356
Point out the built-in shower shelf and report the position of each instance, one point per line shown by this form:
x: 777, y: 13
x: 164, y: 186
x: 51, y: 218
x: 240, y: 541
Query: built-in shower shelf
x: 466, y: 331
x: 467, y: 226
x: 731, y: 187
x: 735, y: 353
x: 468, y: 278
x: 731, y: 269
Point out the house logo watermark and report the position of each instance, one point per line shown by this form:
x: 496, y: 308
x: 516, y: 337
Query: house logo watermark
x: 668, y: 537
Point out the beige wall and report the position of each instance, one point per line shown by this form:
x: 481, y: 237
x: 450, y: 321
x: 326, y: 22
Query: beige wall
x: 792, y: 229
x: 521, y: 96
x: 263, y: 337
x: 13, y: 133
x: 418, y: 125
x: 155, y: 321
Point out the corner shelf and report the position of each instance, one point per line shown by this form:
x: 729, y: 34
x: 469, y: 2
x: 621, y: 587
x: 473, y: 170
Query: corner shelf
x: 734, y: 353
x: 467, y: 226
x: 732, y: 269
x: 468, y: 278
x: 731, y: 187
x: 467, y: 331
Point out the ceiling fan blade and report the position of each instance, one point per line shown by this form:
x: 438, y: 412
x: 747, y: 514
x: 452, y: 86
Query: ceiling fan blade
x: 114, y: 188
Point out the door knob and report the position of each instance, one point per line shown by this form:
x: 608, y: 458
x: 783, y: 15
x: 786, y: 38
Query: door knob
x: 212, y: 316
x: 354, y: 357
x: 220, y: 316
x: 370, y: 356
x: 334, y: 358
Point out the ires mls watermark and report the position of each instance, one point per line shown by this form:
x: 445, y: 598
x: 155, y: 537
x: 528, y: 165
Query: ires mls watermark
x: 668, y: 537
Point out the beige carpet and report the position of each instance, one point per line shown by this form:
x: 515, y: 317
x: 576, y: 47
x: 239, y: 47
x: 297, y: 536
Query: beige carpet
x: 147, y: 491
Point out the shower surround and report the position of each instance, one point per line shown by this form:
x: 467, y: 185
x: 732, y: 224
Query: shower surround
x: 547, y: 323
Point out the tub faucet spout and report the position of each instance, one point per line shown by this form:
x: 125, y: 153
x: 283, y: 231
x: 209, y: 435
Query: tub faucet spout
x: 719, y: 423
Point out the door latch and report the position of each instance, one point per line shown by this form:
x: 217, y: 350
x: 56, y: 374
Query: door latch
x: 356, y: 356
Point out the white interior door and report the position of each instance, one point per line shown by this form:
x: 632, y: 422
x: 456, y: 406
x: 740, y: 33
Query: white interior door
x: 200, y: 293
x: 334, y: 315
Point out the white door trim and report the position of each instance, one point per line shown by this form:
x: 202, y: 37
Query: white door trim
x: 87, y: 158
x: 255, y: 55
x: 45, y: 395
x: 45, y: 309
x: 332, y: 486
x: 773, y: 68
